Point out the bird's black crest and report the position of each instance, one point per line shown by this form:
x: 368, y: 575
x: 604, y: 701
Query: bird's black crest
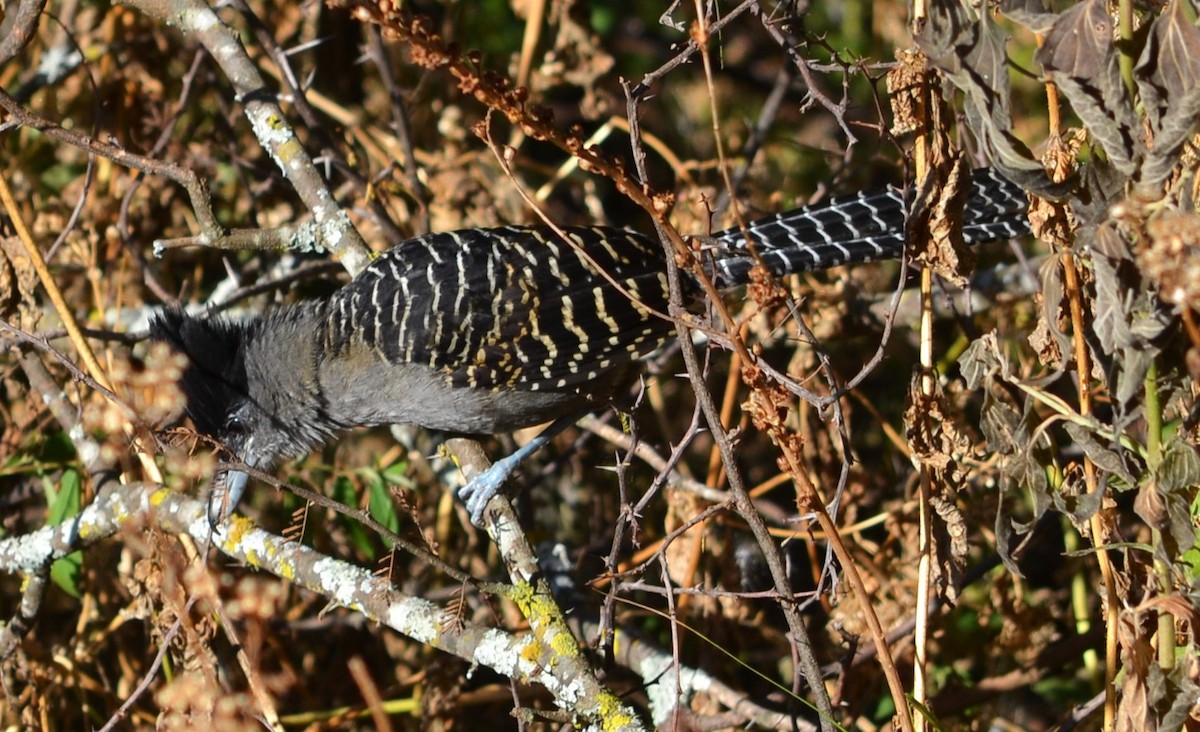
x: 215, y: 378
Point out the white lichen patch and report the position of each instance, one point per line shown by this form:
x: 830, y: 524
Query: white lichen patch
x: 342, y: 581
x: 416, y: 618
x: 306, y: 238
x: 271, y: 130
x: 665, y: 695
x: 334, y: 227
x: 497, y: 651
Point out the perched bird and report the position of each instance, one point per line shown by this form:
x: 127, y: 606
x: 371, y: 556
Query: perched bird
x: 482, y: 331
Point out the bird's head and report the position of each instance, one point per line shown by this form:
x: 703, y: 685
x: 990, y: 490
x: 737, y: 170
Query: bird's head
x: 227, y: 397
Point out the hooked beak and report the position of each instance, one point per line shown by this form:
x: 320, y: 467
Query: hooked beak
x: 227, y: 490
x: 229, y: 483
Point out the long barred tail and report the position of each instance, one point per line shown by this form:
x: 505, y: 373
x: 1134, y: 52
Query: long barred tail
x: 862, y: 227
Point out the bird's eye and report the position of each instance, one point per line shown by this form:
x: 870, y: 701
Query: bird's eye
x: 235, y: 425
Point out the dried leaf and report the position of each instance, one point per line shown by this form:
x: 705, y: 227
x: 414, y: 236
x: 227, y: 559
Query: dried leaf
x: 951, y: 548
x: 934, y: 227
x: 1107, y: 460
x: 970, y: 51
x: 1079, y: 57
x: 1052, y: 315
x: 980, y: 360
x: 1002, y: 425
x: 1150, y: 506
x: 1054, y: 222
x: 1166, y: 77
x: 1109, y: 319
x: 18, y: 286
x: 1074, y: 501
x: 904, y: 91
x: 934, y: 435
x: 1136, y: 710
x: 1029, y: 13
x: 1043, y: 341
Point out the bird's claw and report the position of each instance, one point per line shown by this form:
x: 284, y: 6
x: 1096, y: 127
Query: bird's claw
x: 485, y: 486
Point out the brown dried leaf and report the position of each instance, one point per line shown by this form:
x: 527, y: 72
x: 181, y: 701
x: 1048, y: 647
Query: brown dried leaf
x: 951, y: 547
x: 935, y: 226
x: 1054, y: 222
x: 1043, y: 341
x: 9, y: 297
x: 1073, y: 500
x: 904, y: 89
x: 1137, y: 698
x: 684, y: 552
x: 932, y: 431
x: 1150, y: 507
x: 18, y: 284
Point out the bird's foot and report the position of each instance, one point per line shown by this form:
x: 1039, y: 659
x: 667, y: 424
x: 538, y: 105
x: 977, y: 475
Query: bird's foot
x: 485, y: 486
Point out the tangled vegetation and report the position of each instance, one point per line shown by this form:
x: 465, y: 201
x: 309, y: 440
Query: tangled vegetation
x: 959, y: 493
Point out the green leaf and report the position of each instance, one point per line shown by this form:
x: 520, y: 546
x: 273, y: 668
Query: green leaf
x: 397, y: 474
x: 344, y: 492
x: 58, y: 177
x: 380, y: 504
x: 1178, y: 480
x: 1191, y: 559
x: 65, y: 503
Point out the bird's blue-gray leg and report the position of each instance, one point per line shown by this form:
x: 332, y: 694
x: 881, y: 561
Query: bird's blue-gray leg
x: 480, y: 489
x: 227, y: 489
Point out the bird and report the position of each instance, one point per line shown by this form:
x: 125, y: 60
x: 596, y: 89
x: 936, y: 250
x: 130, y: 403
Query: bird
x: 491, y: 330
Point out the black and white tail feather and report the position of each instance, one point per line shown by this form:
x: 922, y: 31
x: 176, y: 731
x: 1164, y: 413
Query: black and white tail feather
x: 863, y: 227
